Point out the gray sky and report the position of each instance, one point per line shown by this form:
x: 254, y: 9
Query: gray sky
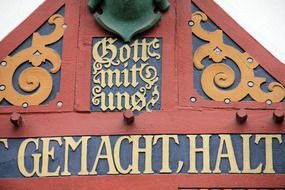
x: 261, y: 18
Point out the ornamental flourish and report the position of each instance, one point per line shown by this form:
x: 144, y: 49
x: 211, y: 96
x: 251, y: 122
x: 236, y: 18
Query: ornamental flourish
x: 35, y: 81
x: 217, y: 78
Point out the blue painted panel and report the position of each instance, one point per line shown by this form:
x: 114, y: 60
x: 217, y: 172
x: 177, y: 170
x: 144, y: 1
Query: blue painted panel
x: 177, y: 152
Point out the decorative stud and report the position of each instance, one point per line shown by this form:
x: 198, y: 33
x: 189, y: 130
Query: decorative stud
x: 241, y: 116
x: 250, y: 84
x: 278, y: 116
x: 129, y: 117
x: 25, y: 105
x: 217, y: 50
x: 16, y: 120
x: 249, y: 60
x: 227, y: 101
x: 191, y: 23
x: 193, y: 99
x: 59, y: 104
x: 64, y: 26
x: 37, y: 53
x: 3, y: 63
x: 2, y: 87
x: 268, y: 102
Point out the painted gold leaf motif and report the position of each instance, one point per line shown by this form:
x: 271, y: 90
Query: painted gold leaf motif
x: 218, y: 77
x: 35, y: 81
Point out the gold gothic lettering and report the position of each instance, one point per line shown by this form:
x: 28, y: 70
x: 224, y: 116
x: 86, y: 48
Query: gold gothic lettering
x: 122, y: 68
x: 4, y: 142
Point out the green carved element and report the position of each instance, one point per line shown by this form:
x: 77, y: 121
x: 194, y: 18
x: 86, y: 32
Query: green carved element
x: 127, y: 18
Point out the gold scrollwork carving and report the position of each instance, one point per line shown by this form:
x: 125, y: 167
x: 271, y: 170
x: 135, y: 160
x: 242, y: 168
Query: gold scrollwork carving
x: 35, y: 81
x: 218, y: 77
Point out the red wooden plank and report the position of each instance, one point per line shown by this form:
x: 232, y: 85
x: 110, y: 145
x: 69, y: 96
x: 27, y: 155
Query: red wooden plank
x: 150, y: 182
x: 168, y: 122
x: 184, y: 52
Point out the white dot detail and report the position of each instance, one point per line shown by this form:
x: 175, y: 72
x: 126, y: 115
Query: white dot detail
x: 250, y: 84
x: 2, y: 87
x: 3, y: 63
x: 59, y: 104
x: 249, y: 60
x: 193, y: 99
x: 217, y: 50
x: 268, y: 102
x: 25, y: 105
x: 191, y: 23
x: 64, y: 26
x: 37, y: 53
x: 227, y: 101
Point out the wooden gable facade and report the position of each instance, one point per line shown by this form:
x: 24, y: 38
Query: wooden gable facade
x: 203, y: 109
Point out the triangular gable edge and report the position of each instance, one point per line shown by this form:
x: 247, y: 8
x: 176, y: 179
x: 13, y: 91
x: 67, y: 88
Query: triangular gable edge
x: 238, y: 34
x: 213, y: 10
x: 69, y: 52
x: 28, y: 26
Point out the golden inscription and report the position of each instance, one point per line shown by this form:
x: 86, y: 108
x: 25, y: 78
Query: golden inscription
x: 165, y: 150
x: 4, y: 142
x: 141, y: 161
x: 225, y: 140
x: 205, y: 150
x: 246, y: 157
x: 112, y: 70
x: 268, y: 150
x: 36, y: 158
x: 105, y: 143
x: 71, y: 143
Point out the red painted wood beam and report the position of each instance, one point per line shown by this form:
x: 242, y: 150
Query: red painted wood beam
x: 150, y: 182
